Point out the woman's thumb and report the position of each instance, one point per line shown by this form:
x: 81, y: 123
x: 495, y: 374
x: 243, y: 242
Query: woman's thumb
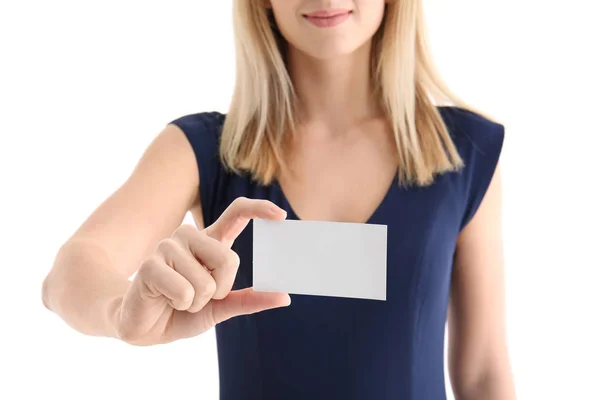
x: 247, y: 301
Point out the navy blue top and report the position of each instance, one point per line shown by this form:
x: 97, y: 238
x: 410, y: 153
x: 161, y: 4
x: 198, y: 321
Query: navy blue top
x: 339, y: 348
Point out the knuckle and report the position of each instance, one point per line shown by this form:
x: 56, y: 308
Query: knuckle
x: 125, y: 334
x: 241, y: 201
x: 207, y: 289
x: 203, y: 293
x: 126, y: 330
x: 166, y: 246
x: 232, y: 260
x: 148, y: 267
x: 186, y: 297
x: 184, y: 231
x: 198, y: 246
x: 183, y: 299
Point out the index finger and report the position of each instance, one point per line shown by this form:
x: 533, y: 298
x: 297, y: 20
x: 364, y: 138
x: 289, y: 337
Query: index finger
x: 236, y: 217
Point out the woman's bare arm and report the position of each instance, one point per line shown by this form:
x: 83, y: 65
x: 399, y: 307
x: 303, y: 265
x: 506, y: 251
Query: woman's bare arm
x: 90, y: 274
x: 478, y: 354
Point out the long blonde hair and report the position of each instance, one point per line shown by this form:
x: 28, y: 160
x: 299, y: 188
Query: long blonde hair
x: 262, y: 111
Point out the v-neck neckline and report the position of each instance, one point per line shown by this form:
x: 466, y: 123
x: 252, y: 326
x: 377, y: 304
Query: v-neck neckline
x: 370, y: 220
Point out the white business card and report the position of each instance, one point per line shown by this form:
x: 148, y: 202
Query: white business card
x: 320, y: 258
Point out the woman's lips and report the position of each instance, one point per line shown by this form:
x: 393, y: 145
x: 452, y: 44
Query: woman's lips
x: 327, y: 18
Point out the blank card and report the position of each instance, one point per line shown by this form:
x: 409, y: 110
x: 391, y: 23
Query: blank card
x: 320, y: 258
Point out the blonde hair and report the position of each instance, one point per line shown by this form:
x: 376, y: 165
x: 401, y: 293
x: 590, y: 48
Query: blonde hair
x: 262, y: 111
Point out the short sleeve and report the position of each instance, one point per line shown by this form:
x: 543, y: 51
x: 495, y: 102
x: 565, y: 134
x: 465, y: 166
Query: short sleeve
x: 480, y: 142
x: 202, y: 131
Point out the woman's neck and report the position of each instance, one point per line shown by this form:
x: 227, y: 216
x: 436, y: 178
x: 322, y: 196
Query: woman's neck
x: 335, y: 92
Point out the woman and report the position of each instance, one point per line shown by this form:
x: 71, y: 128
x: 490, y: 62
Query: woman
x: 336, y: 116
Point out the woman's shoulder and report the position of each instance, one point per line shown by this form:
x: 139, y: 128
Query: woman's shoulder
x: 202, y: 130
x: 472, y: 131
x: 479, y: 140
x: 200, y: 123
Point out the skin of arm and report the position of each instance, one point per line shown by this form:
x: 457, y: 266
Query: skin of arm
x: 91, y: 270
x: 479, y: 364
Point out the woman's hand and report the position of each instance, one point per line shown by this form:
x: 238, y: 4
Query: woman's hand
x: 184, y: 287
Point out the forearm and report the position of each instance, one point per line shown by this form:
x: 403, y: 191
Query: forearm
x: 84, y: 289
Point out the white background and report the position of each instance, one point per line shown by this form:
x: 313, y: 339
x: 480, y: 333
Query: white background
x: 86, y: 85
